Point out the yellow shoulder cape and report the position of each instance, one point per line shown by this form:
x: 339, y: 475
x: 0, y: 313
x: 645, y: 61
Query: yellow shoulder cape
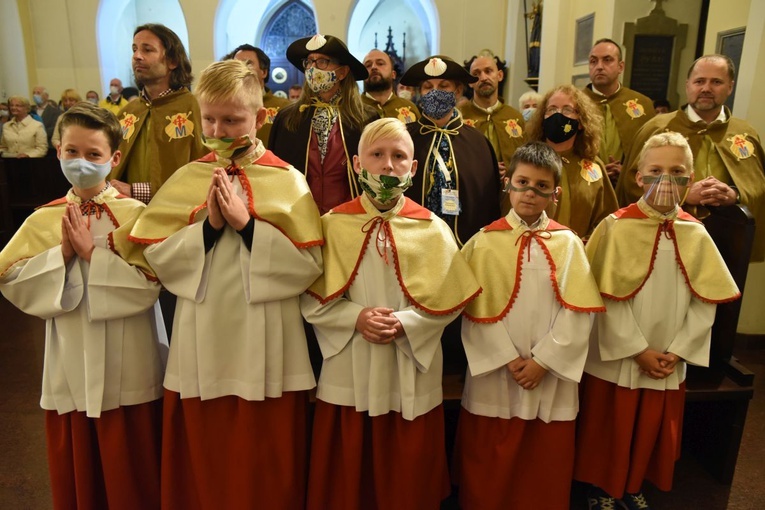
x: 42, y: 230
x: 622, y: 251
x: 431, y: 272
x: 500, y: 244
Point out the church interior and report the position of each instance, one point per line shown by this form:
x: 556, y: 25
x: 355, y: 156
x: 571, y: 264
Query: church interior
x: 83, y: 44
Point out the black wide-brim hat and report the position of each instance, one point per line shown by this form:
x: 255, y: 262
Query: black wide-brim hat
x: 327, y: 45
x: 439, y: 67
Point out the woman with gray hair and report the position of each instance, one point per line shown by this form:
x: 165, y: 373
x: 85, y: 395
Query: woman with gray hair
x: 23, y: 137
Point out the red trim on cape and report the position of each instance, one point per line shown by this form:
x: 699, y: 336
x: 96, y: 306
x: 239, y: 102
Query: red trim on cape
x: 267, y: 159
x: 502, y: 224
x: 352, y: 207
x: 57, y: 201
x: 411, y: 209
x: 633, y: 212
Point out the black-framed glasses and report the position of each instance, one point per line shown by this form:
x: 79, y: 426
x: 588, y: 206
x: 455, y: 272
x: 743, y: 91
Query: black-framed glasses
x: 319, y: 63
x: 567, y: 111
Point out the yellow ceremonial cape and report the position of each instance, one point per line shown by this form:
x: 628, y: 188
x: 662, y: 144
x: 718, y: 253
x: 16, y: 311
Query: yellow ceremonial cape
x: 431, y: 272
x: 622, y: 251
x: 277, y: 194
x: 42, y: 230
x: 495, y: 256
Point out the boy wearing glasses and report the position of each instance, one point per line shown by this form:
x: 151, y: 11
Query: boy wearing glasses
x: 319, y: 134
x: 525, y: 337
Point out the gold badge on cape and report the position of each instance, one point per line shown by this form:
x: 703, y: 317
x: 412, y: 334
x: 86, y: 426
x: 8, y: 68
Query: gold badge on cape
x: 271, y: 114
x: 179, y: 126
x: 740, y: 146
x: 513, y: 128
x: 634, y: 109
x: 590, y: 171
x: 469, y: 122
x: 127, y: 122
x: 405, y: 115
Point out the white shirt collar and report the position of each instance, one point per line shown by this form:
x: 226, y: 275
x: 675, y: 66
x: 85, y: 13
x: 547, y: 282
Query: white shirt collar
x: 694, y: 117
x: 602, y: 94
x: 375, y: 100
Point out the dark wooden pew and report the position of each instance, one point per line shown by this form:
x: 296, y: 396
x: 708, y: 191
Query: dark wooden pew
x: 25, y: 184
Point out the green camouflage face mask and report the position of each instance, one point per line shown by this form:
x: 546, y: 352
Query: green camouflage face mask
x: 384, y: 189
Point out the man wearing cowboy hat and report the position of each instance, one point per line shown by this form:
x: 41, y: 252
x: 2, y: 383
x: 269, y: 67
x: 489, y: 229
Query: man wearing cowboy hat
x: 460, y: 181
x: 319, y: 134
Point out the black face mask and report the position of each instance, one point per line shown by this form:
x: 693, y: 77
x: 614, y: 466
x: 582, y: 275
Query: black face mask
x: 558, y: 128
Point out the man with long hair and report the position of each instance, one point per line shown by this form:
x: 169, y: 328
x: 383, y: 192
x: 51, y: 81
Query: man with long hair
x: 160, y: 131
x: 319, y: 133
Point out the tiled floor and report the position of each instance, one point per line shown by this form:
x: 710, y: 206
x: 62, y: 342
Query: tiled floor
x: 24, y: 481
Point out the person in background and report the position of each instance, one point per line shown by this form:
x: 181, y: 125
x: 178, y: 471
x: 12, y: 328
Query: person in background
x: 46, y: 113
x: 130, y: 94
x: 69, y: 98
x: 661, y: 106
x: 378, y: 89
x: 160, y: 133
x: 294, y: 92
x: 528, y: 102
x: 319, y: 134
x: 5, y: 115
x: 91, y: 97
x: 271, y: 102
x: 114, y: 100
x: 569, y: 122
x: 406, y: 92
x: 23, y: 136
x: 624, y: 110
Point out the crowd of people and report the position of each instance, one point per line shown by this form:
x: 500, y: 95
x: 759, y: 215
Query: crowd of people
x: 551, y: 254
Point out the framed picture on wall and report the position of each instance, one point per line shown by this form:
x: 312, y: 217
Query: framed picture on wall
x: 583, y: 39
x: 731, y: 44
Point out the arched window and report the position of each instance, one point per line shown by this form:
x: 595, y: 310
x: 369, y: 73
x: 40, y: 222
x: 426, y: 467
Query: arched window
x: 292, y: 21
x: 115, y: 22
x: 417, y: 18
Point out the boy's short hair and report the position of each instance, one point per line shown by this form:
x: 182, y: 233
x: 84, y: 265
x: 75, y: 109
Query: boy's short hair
x: 537, y: 154
x: 90, y: 116
x: 667, y: 139
x: 230, y: 80
x: 385, y: 128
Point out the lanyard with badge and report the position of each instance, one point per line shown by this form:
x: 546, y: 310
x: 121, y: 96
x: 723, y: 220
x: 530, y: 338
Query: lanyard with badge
x: 450, y: 198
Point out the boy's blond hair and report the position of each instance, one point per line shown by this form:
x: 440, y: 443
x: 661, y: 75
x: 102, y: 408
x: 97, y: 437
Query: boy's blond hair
x: 385, y: 129
x: 230, y: 80
x: 667, y: 139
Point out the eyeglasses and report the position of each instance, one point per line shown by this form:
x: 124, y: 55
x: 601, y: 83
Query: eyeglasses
x: 566, y: 111
x: 319, y: 63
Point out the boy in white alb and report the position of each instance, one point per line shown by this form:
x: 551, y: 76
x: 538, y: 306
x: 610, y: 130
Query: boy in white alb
x: 661, y: 276
x: 104, y: 341
x: 235, y: 236
x: 393, y: 279
x: 525, y: 338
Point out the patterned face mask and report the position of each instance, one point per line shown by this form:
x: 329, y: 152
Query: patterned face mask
x: 437, y: 103
x: 384, y: 189
x: 228, y: 148
x: 320, y: 80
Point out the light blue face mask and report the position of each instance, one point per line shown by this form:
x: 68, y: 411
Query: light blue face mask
x: 85, y: 174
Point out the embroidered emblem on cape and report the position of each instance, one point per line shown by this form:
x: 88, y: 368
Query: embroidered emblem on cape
x: 469, y: 122
x: 513, y: 128
x: 271, y: 114
x: 590, y: 171
x: 435, y: 67
x: 315, y: 42
x: 405, y: 115
x: 127, y: 122
x: 740, y: 146
x: 179, y: 126
x: 634, y: 109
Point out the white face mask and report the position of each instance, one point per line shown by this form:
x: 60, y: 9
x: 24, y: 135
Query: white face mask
x: 405, y: 94
x: 85, y: 174
x: 114, y: 90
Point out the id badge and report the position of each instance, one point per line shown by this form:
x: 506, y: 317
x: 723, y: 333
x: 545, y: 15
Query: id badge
x: 450, y: 202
